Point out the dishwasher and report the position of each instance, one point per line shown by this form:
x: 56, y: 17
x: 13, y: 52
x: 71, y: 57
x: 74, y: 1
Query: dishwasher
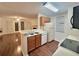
x: 43, y: 38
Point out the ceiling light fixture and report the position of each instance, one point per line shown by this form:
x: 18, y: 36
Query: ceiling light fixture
x: 50, y: 6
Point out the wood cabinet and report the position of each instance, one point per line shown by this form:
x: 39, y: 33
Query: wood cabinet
x: 38, y: 40
x: 44, y: 20
x: 31, y: 43
x: 34, y: 42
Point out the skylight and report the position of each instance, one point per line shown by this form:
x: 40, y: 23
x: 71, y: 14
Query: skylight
x: 51, y: 7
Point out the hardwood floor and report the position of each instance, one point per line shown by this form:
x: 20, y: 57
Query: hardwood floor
x: 45, y: 50
x: 10, y: 44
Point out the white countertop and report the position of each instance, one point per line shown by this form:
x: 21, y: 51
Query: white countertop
x: 61, y: 51
x: 73, y: 37
x: 27, y: 32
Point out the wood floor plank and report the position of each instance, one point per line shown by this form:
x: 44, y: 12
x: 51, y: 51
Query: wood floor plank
x: 45, y: 50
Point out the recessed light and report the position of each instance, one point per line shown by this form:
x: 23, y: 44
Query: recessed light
x: 18, y: 19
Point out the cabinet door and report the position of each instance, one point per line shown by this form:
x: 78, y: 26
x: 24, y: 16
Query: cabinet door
x: 31, y: 43
x: 38, y: 40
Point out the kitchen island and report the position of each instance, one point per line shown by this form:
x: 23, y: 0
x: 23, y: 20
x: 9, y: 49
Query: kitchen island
x: 32, y: 40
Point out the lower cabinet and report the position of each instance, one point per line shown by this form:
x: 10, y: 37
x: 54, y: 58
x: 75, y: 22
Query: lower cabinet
x: 31, y: 43
x: 38, y: 40
x: 34, y: 42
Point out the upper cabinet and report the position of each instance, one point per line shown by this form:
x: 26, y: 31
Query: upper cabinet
x: 44, y: 20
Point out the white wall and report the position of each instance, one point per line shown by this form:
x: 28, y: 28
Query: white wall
x: 7, y: 24
x: 4, y: 25
x: 0, y: 23
x: 52, y: 29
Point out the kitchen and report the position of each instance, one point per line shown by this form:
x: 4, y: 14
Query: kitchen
x: 26, y: 27
x: 17, y: 30
x: 15, y: 26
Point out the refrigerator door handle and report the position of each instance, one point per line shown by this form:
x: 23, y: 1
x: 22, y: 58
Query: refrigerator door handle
x: 71, y: 20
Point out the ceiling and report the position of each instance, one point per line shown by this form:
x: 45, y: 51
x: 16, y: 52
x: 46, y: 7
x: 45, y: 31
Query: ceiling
x: 32, y: 9
x: 61, y: 6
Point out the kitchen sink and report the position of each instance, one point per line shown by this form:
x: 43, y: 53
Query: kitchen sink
x: 31, y: 33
